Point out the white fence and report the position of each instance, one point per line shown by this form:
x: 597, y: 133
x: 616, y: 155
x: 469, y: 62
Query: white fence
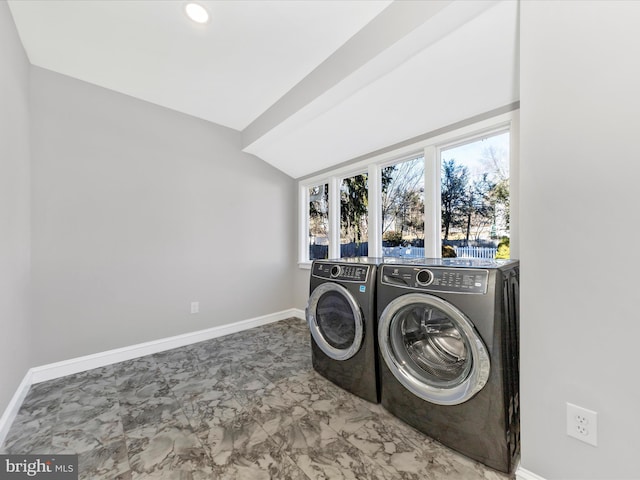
x: 476, y: 252
x: 461, y: 252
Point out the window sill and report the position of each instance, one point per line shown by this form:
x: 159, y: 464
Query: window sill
x: 304, y: 265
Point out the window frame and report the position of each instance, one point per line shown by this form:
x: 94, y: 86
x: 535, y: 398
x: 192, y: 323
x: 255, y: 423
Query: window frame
x: 394, y: 161
x: 431, y: 148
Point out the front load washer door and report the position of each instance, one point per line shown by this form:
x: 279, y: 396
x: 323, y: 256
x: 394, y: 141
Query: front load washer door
x: 433, y: 349
x: 335, y: 321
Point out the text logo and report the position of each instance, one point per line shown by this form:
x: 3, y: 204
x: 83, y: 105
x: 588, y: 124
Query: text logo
x: 50, y: 467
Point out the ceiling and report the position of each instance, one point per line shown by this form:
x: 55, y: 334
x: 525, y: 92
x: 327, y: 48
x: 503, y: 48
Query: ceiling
x: 310, y: 84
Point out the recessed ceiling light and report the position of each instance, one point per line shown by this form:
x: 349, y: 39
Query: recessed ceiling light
x: 197, y: 12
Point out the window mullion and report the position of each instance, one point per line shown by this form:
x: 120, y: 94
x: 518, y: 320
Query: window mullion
x: 303, y: 219
x: 334, y: 217
x: 432, y: 248
x: 375, y: 210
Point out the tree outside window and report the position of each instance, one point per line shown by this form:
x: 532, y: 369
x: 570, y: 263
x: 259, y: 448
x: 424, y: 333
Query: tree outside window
x: 403, y: 208
x: 354, y: 208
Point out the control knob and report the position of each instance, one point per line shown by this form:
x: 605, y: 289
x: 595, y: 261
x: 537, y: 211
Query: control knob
x: 335, y: 271
x: 424, y: 277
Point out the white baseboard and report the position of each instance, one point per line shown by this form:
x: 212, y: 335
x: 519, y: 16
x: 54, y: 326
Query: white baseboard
x: 11, y: 411
x: 524, y: 474
x: 97, y: 360
x: 109, y: 357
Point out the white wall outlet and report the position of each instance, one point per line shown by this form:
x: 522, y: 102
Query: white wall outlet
x: 582, y: 424
x: 195, y: 307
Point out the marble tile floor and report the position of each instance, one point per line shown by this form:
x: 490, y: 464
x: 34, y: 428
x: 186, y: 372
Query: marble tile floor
x: 244, y: 406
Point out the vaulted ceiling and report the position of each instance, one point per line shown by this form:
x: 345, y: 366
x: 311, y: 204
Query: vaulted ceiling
x: 310, y: 84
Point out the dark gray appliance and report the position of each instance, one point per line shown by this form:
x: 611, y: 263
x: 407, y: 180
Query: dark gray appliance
x: 449, y: 353
x: 341, y: 315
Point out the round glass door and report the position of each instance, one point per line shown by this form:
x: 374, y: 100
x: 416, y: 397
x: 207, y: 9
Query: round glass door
x: 335, y: 321
x: 433, y: 349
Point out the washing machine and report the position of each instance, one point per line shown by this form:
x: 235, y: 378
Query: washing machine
x: 341, y: 314
x: 449, y: 353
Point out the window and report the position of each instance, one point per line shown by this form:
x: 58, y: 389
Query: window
x: 403, y: 208
x: 445, y: 195
x: 474, y: 194
x: 318, y: 214
x: 354, y: 196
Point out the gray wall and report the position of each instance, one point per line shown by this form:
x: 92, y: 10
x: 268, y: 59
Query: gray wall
x: 300, y: 276
x: 14, y: 209
x: 579, y: 211
x: 139, y: 210
x: 301, y: 287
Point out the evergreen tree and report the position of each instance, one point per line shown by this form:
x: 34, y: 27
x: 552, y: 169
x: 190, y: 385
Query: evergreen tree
x: 454, y: 195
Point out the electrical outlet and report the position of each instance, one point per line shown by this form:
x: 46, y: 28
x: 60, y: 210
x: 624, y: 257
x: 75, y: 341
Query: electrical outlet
x: 195, y: 307
x: 582, y: 424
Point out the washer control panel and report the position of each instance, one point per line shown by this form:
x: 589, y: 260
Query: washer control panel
x: 437, y: 279
x: 342, y: 272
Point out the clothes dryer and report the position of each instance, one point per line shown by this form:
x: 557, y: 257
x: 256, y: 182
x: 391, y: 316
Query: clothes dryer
x: 448, y: 345
x: 341, y: 315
